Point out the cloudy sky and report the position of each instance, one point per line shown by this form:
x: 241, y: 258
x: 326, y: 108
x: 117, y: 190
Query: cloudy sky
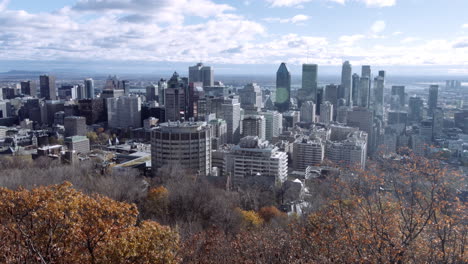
x: 408, y: 33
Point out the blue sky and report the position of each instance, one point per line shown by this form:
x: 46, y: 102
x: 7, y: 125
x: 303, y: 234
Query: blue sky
x: 417, y: 34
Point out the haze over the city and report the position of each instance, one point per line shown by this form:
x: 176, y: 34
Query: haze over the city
x: 412, y: 37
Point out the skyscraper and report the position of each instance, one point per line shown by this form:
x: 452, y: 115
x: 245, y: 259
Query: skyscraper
x: 124, y: 112
x: 151, y: 92
x: 362, y: 118
x: 308, y: 112
x: 175, y: 98
x: 437, y: 122
x: 254, y: 125
x: 415, y: 113
x: 364, y: 92
x: 433, y: 98
x: 201, y: 73
x: 273, y: 124
x: 326, y: 112
x: 378, y: 102
x: 89, y: 88
x: 230, y: 109
x: 366, y: 71
x: 29, y: 88
x: 400, y: 92
x: 48, y: 87
x: 251, y: 97
x: 283, y: 88
x: 355, y: 89
x: 346, y: 83
x: 309, y: 80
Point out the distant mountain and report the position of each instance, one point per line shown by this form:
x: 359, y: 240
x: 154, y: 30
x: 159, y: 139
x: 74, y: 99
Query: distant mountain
x: 17, y: 72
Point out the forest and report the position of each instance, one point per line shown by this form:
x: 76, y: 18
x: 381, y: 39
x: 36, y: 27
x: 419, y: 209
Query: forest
x: 410, y: 210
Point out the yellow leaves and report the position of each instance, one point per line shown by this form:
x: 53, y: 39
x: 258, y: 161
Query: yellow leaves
x: 147, y: 243
x: 250, y: 219
x: 63, y: 225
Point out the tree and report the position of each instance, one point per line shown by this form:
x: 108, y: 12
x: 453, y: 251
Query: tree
x: 59, y: 224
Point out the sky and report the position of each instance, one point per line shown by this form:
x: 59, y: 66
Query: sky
x: 241, y: 36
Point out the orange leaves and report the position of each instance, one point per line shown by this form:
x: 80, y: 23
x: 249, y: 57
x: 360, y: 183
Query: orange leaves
x: 59, y: 224
x: 270, y: 212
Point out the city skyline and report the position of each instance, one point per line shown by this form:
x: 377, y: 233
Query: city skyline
x: 97, y: 34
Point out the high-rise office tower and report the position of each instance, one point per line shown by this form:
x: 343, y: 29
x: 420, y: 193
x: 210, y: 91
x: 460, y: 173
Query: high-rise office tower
x: 415, y: 113
x: 437, y: 122
x: 309, y: 80
x: 151, y: 92
x: 231, y: 112
x: 201, y: 73
x: 363, y: 118
x: 366, y: 71
x: 378, y: 102
x: 185, y: 145
x: 273, y: 124
x: 355, y: 90
x: 364, y: 92
x: 326, y: 113
x: 433, y: 97
x: 251, y: 98
x: 283, y: 88
x: 307, y: 153
x: 89, y: 88
x: 80, y: 92
x: 162, y: 86
x: 29, y: 88
x: 346, y: 91
x: 382, y: 74
x: 400, y: 92
x: 175, y: 98
x: 75, y: 126
x: 331, y: 94
x: 47, y: 87
x: 308, y: 112
x: 124, y: 112
x: 254, y: 125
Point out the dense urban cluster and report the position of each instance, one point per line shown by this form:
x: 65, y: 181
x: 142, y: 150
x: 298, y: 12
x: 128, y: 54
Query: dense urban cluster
x: 237, y: 167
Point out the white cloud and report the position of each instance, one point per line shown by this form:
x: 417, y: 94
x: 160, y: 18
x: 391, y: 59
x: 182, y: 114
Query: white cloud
x: 378, y: 26
x: 222, y: 37
x: 4, y: 4
x: 294, y: 20
x: 349, y: 40
x: 408, y: 40
x: 286, y: 3
x: 465, y: 26
x: 298, y: 3
x: 379, y: 3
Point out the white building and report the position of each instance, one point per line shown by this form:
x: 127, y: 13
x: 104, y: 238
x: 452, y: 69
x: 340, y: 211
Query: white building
x: 254, y: 156
x: 231, y: 112
x: 326, y: 113
x: 183, y: 145
x: 350, y: 152
x: 124, y: 112
x: 273, y: 124
x: 308, y: 112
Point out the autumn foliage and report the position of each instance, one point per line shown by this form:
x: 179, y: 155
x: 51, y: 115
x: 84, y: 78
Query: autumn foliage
x: 59, y: 224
